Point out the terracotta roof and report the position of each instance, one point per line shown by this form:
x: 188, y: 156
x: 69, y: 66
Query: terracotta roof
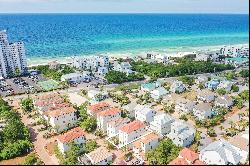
x: 99, y: 106
x: 189, y: 155
x: 99, y: 155
x: 133, y: 126
x: 59, y: 112
x: 198, y: 162
x: 178, y: 161
x: 146, y: 139
x: 109, y: 112
x: 118, y: 122
x: 71, y: 135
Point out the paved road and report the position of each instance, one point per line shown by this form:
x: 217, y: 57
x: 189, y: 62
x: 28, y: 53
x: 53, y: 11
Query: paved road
x: 37, y: 139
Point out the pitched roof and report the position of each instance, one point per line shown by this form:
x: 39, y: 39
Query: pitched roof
x: 118, y: 122
x: 71, y: 135
x: 109, y: 112
x: 61, y: 111
x: 178, y: 161
x: 203, y: 107
x: 133, y: 126
x: 189, y: 155
x: 99, y: 106
x: 150, y: 137
x: 99, y: 155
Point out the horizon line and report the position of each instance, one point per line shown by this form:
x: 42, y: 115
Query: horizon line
x: 121, y: 13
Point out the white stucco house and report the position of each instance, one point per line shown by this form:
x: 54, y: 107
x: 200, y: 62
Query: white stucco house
x: 76, y: 135
x: 131, y: 131
x: 144, y: 144
x: 100, y: 156
x: 114, y: 126
x: 162, y: 124
x: 203, y: 111
x: 201, y: 79
x: 102, y: 71
x: 75, y: 77
x: 124, y: 67
x: 220, y: 153
x: 98, y: 107
x: 225, y: 84
x: 144, y: 113
x: 205, y: 96
x: 97, y: 95
x: 181, y: 134
x: 158, y: 93
x: 130, y: 108
x: 224, y: 101
x: 105, y: 116
x: 184, y: 106
x: 177, y: 87
x: 62, y: 119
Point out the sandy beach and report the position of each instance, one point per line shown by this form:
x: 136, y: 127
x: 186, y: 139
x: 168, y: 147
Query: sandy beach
x: 114, y: 55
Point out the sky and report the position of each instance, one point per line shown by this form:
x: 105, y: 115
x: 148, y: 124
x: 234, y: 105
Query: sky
x: 124, y: 6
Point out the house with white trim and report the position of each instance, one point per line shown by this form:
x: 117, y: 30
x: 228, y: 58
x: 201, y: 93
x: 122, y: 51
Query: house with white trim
x: 181, y: 134
x: 220, y: 153
x: 225, y: 84
x: 114, y: 126
x: 99, y: 107
x: 162, y: 124
x: 184, y: 106
x: 105, y: 116
x: 144, y: 144
x: 224, y: 101
x: 75, y: 135
x: 100, y: 156
x: 129, y: 132
x: 124, y: 67
x: 158, y: 93
x: 144, y: 113
x: 205, y: 96
x: 62, y: 119
x: 203, y: 111
x: 177, y: 87
x: 97, y: 95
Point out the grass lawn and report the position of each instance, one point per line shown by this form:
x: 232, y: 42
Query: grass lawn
x: 48, y: 85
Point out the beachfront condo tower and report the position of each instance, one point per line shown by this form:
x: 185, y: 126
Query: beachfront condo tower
x: 13, y: 60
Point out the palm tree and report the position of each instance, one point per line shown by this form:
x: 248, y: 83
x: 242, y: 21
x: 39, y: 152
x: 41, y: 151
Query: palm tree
x: 231, y: 123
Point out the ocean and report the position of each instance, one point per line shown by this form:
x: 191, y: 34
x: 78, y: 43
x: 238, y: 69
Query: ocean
x: 57, y: 36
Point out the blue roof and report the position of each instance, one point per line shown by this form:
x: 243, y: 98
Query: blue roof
x: 237, y: 59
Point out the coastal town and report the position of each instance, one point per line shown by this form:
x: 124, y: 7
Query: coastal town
x: 143, y: 110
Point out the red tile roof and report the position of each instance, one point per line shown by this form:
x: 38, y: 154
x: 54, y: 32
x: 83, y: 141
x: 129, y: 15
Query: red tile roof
x: 150, y: 137
x: 133, y: 126
x: 71, y: 135
x: 99, y: 107
x: 109, y: 112
x: 61, y: 111
x: 189, y: 155
x: 198, y: 162
x: 178, y: 161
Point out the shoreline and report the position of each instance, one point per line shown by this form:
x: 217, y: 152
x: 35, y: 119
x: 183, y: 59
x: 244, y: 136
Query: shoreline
x: 172, y: 52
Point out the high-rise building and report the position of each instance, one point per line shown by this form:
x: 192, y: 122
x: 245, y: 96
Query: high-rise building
x: 12, y: 57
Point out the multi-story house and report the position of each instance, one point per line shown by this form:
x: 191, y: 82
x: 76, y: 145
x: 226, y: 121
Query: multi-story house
x: 124, y: 67
x: 62, y: 119
x: 75, y: 135
x: 181, y: 134
x: 162, y: 124
x: 105, y: 116
x: 144, y: 113
x: 114, y: 126
x: 130, y: 132
x: 203, y: 110
x: 184, y: 106
x: 177, y: 87
x: 99, y: 107
x: 205, y: 96
x: 224, y: 101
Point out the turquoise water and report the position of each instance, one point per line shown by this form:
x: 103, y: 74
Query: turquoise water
x: 62, y: 35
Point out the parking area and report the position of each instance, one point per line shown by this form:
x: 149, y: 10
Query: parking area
x: 20, y: 85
